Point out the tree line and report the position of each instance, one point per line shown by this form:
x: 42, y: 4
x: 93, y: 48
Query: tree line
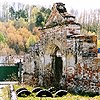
x: 19, y: 25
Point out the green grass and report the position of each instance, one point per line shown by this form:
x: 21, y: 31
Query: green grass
x: 66, y: 97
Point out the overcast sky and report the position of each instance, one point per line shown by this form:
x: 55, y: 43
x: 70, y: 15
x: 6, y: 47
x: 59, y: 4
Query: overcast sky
x: 76, y: 4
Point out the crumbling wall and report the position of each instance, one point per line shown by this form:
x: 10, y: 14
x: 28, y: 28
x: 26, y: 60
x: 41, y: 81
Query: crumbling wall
x: 86, y: 76
x: 81, y: 67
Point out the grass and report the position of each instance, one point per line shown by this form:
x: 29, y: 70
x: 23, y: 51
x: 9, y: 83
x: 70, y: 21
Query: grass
x: 26, y: 86
x: 6, y: 92
x: 66, y: 97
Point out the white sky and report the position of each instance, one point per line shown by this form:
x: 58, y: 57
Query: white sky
x: 76, y: 4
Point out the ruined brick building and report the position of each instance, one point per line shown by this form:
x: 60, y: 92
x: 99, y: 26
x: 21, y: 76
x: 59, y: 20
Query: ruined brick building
x: 65, y: 56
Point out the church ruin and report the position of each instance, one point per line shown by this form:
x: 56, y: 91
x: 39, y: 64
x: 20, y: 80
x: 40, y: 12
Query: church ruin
x: 64, y: 56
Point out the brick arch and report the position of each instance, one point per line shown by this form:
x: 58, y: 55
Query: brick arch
x: 52, y: 45
x: 56, y: 61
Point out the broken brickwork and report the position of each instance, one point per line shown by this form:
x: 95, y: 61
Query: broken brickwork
x: 63, y: 52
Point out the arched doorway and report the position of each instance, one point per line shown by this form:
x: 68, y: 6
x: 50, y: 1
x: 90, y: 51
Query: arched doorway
x: 57, y: 67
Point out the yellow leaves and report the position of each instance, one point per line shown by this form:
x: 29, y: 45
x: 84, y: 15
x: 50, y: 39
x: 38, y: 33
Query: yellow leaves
x: 2, y: 27
x: 21, y: 37
x: 22, y: 23
x: 32, y: 40
x: 98, y: 43
x: 12, y: 38
x: 36, y: 31
x: 5, y: 50
x: 35, y: 10
x: 8, y: 24
x: 11, y: 34
x: 37, y: 38
x: 11, y: 29
x: 2, y: 45
x: 91, y: 33
x: 24, y: 32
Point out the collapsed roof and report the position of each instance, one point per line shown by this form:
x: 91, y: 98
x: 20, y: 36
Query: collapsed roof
x: 58, y: 15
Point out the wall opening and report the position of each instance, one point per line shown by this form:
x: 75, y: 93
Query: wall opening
x: 57, y: 66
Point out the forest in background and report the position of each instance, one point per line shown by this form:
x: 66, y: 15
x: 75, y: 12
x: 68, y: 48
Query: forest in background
x: 19, y: 25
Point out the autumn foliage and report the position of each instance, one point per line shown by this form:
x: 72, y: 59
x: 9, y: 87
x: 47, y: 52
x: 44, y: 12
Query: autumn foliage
x: 14, y: 40
x: 19, y: 28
